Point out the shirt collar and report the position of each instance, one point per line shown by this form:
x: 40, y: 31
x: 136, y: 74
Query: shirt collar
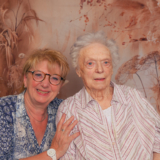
x: 51, y: 109
x: 85, y: 97
x: 20, y: 106
x: 118, y: 95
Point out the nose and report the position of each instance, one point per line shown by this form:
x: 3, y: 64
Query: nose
x: 45, y: 83
x: 99, y: 67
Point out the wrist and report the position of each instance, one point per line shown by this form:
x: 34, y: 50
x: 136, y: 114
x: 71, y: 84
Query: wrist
x: 58, y: 153
x: 52, y: 153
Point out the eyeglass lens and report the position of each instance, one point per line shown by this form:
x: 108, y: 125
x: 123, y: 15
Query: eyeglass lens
x: 39, y: 76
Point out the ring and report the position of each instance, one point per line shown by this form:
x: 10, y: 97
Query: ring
x: 62, y: 130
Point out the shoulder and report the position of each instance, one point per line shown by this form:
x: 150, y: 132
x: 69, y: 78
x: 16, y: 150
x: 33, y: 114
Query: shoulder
x: 139, y: 103
x: 7, y: 106
x: 56, y: 101
x: 129, y: 96
x: 123, y: 88
x: 127, y: 91
x: 11, y: 99
x: 71, y: 102
x: 54, y: 104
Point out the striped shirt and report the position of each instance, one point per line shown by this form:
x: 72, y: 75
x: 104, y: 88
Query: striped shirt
x: 134, y: 132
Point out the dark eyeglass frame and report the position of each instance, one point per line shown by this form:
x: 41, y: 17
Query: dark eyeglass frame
x: 62, y: 79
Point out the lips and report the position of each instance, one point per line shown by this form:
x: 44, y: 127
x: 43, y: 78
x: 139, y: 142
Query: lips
x: 99, y: 79
x: 43, y: 92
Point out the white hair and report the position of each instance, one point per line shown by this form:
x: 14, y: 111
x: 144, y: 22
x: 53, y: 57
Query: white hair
x: 90, y: 38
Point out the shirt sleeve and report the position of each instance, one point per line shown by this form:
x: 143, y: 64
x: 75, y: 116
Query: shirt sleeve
x: 157, y: 140
x: 6, y: 136
x: 71, y: 152
x: 153, y: 114
x: 156, y: 145
x: 155, y: 118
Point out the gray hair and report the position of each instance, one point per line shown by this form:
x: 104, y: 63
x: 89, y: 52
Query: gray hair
x: 90, y: 38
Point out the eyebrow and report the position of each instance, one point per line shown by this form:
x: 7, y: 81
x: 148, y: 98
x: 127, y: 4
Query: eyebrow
x: 96, y: 59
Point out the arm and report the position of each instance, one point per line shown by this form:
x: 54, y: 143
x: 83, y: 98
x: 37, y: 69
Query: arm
x: 61, y: 140
x: 6, y: 134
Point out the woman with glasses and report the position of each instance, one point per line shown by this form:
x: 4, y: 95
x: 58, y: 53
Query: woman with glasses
x: 115, y: 121
x: 27, y: 120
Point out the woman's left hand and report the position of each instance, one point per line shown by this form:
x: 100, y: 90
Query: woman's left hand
x: 62, y: 140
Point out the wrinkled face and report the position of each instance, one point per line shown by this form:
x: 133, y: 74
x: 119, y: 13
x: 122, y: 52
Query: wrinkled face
x: 41, y: 92
x: 95, y: 66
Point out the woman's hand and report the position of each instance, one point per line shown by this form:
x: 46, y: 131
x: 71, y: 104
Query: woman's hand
x: 62, y: 140
x: 156, y: 156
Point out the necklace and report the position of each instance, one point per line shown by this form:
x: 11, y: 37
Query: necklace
x: 35, y: 118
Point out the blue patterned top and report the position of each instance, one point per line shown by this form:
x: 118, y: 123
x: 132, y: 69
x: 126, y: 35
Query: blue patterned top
x: 17, y: 138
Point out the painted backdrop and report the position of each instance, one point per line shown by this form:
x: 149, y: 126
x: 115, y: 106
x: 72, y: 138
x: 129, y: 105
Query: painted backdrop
x: 133, y: 24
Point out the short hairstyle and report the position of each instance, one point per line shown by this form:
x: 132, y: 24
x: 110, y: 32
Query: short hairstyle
x: 53, y: 57
x: 89, y: 38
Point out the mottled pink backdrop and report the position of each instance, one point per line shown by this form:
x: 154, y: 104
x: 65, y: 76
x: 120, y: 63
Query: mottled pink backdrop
x: 133, y: 24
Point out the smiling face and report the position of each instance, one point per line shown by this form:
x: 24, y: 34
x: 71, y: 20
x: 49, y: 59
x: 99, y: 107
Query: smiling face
x: 95, y: 67
x: 41, y: 93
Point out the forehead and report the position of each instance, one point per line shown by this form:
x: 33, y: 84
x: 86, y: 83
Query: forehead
x: 47, y: 66
x: 95, y: 51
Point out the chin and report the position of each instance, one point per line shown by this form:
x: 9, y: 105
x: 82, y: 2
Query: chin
x: 41, y: 101
x: 99, y: 87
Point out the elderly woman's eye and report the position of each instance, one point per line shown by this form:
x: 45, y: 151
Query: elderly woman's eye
x: 90, y: 63
x: 106, y: 63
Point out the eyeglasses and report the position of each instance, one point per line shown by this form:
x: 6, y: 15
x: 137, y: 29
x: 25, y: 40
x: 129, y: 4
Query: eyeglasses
x: 91, y: 64
x: 39, y: 76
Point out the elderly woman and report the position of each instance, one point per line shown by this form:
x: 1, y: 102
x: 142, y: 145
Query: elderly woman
x: 115, y: 121
x: 27, y: 120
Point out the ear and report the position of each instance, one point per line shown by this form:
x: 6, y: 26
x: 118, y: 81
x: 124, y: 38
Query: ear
x: 78, y: 72
x: 112, y: 69
x: 25, y: 81
x: 64, y: 83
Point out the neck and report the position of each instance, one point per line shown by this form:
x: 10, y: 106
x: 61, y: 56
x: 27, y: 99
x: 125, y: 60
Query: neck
x: 36, y: 112
x: 101, y: 95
